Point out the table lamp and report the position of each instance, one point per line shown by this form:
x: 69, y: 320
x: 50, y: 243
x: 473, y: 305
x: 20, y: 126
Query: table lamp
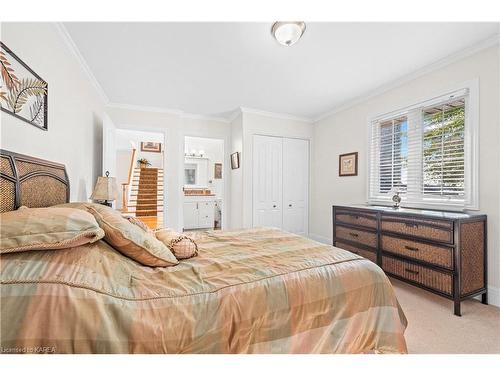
x: 105, y: 190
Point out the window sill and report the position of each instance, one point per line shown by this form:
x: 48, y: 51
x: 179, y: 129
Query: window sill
x: 428, y: 206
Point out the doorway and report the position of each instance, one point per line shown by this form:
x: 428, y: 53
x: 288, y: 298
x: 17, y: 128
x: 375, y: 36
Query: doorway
x: 203, y: 186
x: 140, y: 175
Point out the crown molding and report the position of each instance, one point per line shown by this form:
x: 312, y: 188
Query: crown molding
x: 204, y: 117
x: 450, y: 59
x: 237, y: 112
x: 63, y: 32
x: 144, y: 108
x: 175, y: 112
x: 282, y: 116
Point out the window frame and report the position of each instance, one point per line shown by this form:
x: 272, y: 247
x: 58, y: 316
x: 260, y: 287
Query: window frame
x: 471, y: 151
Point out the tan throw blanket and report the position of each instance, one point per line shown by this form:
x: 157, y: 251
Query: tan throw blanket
x: 252, y: 291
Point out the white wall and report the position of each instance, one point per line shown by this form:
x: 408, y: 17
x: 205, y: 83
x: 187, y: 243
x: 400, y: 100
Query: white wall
x: 347, y: 131
x: 236, y: 175
x: 123, y: 143
x: 75, y: 109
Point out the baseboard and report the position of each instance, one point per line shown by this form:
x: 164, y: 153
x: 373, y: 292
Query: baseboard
x: 493, y: 293
x: 317, y: 237
x: 493, y: 296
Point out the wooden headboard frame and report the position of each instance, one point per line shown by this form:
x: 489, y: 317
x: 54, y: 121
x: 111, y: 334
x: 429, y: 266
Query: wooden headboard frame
x: 31, y: 182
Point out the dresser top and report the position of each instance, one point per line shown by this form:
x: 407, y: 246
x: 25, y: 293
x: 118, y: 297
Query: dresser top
x: 449, y: 215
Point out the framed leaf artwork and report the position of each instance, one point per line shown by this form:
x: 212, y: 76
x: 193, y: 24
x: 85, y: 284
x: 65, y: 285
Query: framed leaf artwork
x: 23, y: 93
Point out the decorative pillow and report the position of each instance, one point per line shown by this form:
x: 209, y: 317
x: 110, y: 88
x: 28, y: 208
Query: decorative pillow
x: 46, y: 229
x: 183, y: 247
x: 130, y: 239
x: 139, y: 223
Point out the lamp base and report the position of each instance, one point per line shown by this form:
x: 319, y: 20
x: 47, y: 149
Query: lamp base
x: 106, y: 203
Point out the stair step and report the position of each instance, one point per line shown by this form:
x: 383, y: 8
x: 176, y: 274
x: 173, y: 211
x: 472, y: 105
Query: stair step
x: 147, y: 208
x: 145, y: 213
x: 153, y: 198
x: 147, y: 196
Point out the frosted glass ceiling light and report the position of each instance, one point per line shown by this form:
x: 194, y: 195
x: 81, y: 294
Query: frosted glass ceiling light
x: 288, y: 33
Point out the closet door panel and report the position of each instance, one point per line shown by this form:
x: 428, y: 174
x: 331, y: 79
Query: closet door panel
x: 267, y: 181
x: 296, y: 185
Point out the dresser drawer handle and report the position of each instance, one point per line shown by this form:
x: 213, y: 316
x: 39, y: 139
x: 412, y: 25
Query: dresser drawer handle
x: 411, y: 271
x: 353, y: 234
x: 411, y: 225
x: 354, y: 216
x: 411, y: 248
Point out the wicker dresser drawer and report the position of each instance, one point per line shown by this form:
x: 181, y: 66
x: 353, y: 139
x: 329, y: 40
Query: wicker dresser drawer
x: 438, y: 255
x: 437, y: 230
x: 370, y: 255
x: 357, y: 235
x: 436, y: 280
x: 356, y: 218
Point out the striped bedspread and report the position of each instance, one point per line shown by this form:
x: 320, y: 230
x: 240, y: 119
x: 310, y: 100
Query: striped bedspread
x: 251, y: 291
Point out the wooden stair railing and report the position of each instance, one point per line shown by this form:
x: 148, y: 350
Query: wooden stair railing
x: 125, y: 185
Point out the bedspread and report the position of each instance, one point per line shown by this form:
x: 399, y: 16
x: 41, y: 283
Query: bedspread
x: 250, y: 291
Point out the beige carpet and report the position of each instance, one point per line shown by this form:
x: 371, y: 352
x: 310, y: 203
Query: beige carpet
x: 432, y: 327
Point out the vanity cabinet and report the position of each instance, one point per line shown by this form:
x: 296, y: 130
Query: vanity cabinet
x: 199, y: 212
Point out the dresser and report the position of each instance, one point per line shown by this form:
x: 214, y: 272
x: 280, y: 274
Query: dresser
x: 442, y: 252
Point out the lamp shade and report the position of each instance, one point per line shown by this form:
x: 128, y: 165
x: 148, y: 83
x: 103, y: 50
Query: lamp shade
x: 105, y: 189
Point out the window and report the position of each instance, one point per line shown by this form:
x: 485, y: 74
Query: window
x: 426, y: 152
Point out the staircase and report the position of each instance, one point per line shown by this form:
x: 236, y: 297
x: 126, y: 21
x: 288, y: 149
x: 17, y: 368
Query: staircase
x: 146, y: 192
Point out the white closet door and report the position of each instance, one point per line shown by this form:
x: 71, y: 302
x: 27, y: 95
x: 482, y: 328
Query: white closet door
x: 296, y: 186
x: 267, y: 181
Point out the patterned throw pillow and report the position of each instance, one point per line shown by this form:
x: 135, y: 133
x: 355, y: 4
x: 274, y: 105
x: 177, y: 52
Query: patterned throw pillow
x: 139, y: 223
x: 183, y: 247
x: 129, y: 239
x: 46, y: 229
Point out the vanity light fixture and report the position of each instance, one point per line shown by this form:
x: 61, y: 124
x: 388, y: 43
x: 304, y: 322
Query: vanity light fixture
x: 288, y: 33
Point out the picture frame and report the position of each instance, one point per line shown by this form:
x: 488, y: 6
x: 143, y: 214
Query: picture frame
x: 235, y: 160
x: 348, y: 164
x: 23, y: 93
x: 150, y: 146
x: 217, y: 171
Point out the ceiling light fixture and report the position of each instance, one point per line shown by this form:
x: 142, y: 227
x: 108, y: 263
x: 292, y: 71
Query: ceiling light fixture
x: 288, y: 33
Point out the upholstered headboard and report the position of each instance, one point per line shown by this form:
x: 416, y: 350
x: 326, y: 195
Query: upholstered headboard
x: 31, y: 182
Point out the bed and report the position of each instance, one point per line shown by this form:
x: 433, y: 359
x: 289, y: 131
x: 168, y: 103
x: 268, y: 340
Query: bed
x: 259, y: 290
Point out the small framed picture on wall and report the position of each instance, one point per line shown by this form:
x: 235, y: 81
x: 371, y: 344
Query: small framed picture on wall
x: 235, y: 160
x: 348, y: 164
x: 217, y: 171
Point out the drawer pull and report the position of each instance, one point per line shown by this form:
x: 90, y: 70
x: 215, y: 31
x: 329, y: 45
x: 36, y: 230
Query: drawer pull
x: 353, y: 234
x: 411, y: 271
x: 411, y: 248
x: 354, y: 216
x: 411, y: 225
